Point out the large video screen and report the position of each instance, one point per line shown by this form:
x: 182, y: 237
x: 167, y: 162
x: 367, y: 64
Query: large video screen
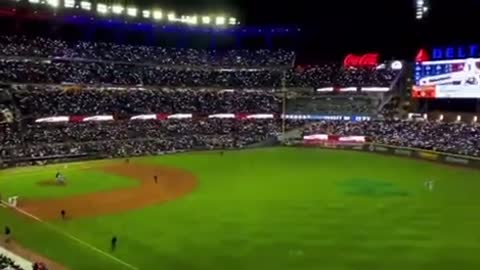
x: 459, y: 78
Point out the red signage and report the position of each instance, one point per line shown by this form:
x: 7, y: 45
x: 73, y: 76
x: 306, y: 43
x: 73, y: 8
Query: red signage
x: 366, y: 60
x: 422, y: 56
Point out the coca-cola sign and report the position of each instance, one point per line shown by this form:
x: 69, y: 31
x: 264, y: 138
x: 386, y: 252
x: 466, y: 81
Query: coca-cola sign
x: 366, y: 60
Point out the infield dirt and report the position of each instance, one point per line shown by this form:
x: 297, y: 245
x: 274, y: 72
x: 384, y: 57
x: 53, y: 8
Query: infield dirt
x: 171, y: 184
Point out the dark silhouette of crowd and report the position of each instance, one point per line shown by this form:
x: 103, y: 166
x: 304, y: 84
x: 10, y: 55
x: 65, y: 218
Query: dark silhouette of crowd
x: 8, y: 263
x: 455, y: 138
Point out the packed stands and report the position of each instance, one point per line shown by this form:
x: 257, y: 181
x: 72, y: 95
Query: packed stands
x: 76, y: 98
x: 53, y: 100
x: 8, y: 263
x: 38, y: 47
x: 455, y: 138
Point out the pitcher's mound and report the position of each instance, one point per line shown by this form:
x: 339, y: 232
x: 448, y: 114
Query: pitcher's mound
x: 170, y: 184
x: 51, y: 183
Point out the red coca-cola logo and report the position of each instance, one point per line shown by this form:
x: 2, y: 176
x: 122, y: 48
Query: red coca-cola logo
x: 366, y: 60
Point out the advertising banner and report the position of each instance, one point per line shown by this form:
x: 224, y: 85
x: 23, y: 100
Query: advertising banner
x: 428, y: 155
x: 411, y: 153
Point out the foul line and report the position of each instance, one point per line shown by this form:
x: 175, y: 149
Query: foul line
x: 70, y: 236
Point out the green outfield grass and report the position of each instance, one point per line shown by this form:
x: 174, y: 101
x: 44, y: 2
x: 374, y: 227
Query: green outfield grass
x: 278, y: 208
x: 81, y: 178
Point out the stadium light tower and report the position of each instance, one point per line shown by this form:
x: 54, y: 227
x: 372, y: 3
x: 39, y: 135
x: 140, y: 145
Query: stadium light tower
x: 421, y: 9
x: 85, y: 5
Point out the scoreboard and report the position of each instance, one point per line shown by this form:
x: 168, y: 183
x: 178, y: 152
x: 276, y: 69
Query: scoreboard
x: 455, y: 78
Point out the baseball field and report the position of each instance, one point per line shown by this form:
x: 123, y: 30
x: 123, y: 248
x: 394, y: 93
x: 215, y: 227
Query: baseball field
x: 275, y: 208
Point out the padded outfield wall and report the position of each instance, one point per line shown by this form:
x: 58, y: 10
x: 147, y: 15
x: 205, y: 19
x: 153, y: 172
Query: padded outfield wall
x: 421, y: 154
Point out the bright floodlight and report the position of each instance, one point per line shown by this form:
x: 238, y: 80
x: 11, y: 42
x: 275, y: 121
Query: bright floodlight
x: 193, y: 20
x: 131, y: 11
x: 171, y: 16
x: 102, y: 8
x: 220, y: 20
x: 232, y: 21
x: 146, y: 14
x: 157, y: 15
x: 69, y: 3
x: 206, y: 20
x: 117, y: 9
x: 53, y: 3
x: 85, y: 5
x: 34, y: 1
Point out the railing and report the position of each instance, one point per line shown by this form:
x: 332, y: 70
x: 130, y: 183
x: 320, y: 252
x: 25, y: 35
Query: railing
x: 416, y: 153
x: 409, y: 152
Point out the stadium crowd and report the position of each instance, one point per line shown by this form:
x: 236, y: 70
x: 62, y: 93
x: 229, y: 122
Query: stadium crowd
x: 50, y: 101
x: 136, y: 137
x: 41, y: 47
x: 89, y: 72
x: 455, y: 138
x: 43, y: 60
x: 7, y: 263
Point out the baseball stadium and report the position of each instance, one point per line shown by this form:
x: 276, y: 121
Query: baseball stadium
x: 282, y: 208
x: 133, y: 137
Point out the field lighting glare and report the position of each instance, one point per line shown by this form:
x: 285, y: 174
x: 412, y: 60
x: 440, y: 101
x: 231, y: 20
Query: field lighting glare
x: 85, y: 5
x: 171, y: 17
x: 157, y: 15
x: 220, y: 20
x: 194, y: 20
x: 69, y: 3
x: 132, y: 12
x: 206, y: 20
x: 232, y: 21
x: 102, y: 8
x: 117, y: 9
x: 53, y: 3
x: 146, y: 14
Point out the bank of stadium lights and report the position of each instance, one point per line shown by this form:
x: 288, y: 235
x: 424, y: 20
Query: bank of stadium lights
x: 206, y: 20
x: 132, y: 12
x: 69, y: 3
x: 85, y: 5
x: 157, y: 15
x: 146, y: 14
x: 102, y: 8
x: 421, y: 7
x: 117, y: 9
x: 220, y: 20
x: 53, y: 3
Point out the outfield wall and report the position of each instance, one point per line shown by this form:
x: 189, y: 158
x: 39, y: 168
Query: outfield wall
x: 421, y: 154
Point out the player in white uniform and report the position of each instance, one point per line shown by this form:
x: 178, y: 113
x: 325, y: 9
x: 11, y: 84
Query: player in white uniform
x: 430, y: 185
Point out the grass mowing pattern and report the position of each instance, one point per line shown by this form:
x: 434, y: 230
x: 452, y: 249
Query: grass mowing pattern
x: 285, y: 208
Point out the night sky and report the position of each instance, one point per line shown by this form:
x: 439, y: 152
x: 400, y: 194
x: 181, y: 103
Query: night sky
x: 333, y: 28
x: 337, y: 26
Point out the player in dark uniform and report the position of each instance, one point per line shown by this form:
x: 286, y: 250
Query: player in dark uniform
x: 8, y: 233
x: 155, y: 179
x: 63, y: 213
x: 113, y: 244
